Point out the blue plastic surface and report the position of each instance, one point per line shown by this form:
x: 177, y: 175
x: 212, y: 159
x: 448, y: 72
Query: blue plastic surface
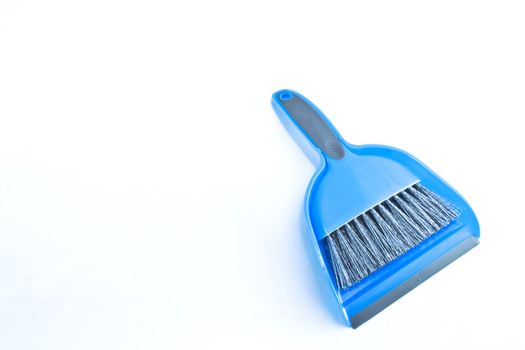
x: 342, y: 189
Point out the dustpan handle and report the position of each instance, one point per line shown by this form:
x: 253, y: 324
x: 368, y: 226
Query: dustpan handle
x: 310, y: 121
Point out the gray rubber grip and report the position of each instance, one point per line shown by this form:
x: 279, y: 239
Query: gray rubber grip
x: 313, y: 125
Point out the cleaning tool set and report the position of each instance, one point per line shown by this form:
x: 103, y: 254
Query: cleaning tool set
x: 381, y: 221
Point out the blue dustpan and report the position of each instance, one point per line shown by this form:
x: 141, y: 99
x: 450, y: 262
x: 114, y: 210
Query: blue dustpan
x: 352, y: 179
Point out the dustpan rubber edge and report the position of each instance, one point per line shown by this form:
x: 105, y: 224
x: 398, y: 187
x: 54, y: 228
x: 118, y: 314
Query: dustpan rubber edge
x: 389, y: 298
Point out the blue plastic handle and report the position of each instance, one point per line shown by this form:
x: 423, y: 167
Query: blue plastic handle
x: 297, y: 111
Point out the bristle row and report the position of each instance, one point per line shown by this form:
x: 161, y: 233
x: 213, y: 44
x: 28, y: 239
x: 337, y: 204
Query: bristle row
x: 385, y: 232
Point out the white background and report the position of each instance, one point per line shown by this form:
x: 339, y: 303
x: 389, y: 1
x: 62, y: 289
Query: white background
x: 150, y: 199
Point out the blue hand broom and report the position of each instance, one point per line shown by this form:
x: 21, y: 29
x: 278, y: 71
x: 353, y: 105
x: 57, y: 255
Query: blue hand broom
x: 381, y: 221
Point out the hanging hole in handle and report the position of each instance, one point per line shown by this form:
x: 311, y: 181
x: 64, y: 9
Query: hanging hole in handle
x: 285, y: 96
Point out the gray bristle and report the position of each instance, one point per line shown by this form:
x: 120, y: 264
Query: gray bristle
x: 385, y: 232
